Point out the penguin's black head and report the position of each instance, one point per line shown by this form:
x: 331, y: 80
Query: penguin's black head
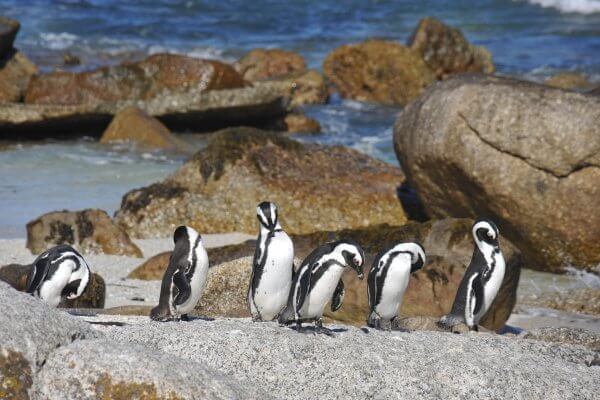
x: 353, y: 255
x: 181, y: 233
x: 414, y: 249
x: 485, y: 231
x: 266, y: 212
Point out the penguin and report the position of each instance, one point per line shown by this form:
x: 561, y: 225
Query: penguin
x: 58, y: 272
x: 388, y: 280
x: 482, y: 279
x: 185, y: 277
x: 318, y: 280
x: 272, y: 267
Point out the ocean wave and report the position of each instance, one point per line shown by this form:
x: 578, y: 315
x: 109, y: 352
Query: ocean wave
x: 58, y: 41
x: 570, y: 6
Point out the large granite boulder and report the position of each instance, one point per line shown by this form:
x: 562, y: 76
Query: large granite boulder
x: 90, y: 231
x: 133, y: 125
x: 15, y: 72
x: 378, y: 71
x: 8, y: 32
x: 260, y: 64
x: 315, y: 188
x: 157, y: 75
x: 93, y: 296
x: 446, y: 51
x: 526, y: 155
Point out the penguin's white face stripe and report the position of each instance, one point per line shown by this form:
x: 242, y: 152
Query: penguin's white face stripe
x: 339, y: 249
x: 416, y: 252
x: 491, y: 231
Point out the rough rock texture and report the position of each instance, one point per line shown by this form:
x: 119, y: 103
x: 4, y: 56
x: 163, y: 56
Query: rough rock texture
x: 30, y: 332
x: 15, y: 72
x: 133, y: 124
x: 157, y: 75
x: 302, y: 87
x: 572, y: 336
x: 202, y: 110
x: 92, y: 297
x: 300, y: 123
x: 568, y: 80
x: 378, y: 71
x: 101, y: 369
x: 314, y: 187
x: 448, y: 245
x: 8, y: 32
x: 90, y: 231
x: 526, y: 155
x: 260, y: 64
x: 359, y: 365
x: 586, y: 301
x: 446, y: 51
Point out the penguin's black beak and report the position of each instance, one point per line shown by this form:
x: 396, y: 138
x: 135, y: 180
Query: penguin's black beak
x: 417, y: 266
x: 359, y: 269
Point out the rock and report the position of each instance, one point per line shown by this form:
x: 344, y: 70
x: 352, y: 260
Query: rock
x: 584, y: 300
x: 303, y: 87
x: 315, y: 188
x: 133, y: 124
x: 30, y: 332
x: 71, y: 59
x: 378, y: 71
x: 197, y: 109
x: 15, y: 72
x: 157, y: 75
x: 446, y: 51
x: 91, y: 231
x: 261, y: 64
x: 417, y: 365
x: 563, y: 335
x: 300, y: 123
x: 153, y: 268
x: 101, y: 369
x: 487, y: 146
x: 568, y: 80
x: 8, y: 32
x: 92, y: 297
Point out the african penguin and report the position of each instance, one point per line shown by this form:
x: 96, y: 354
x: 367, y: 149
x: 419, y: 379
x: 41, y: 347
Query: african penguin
x: 185, y: 277
x: 272, y: 267
x: 482, y: 279
x: 58, y: 272
x: 318, y: 280
x: 388, y: 280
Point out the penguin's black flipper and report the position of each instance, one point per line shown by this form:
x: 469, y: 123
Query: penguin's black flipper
x: 338, y: 296
x: 302, y: 286
x: 183, y: 287
x: 478, y: 295
x: 37, y: 274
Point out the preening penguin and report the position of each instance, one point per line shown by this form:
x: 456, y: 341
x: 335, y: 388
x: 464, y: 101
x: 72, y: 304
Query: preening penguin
x: 272, y: 267
x: 318, y: 280
x: 388, y: 280
x: 58, y: 272
x: 482, y: 279
x: 185, y: 277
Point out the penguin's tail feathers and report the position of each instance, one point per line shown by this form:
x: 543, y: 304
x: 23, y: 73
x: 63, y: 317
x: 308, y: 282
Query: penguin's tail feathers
x: 447, y: 322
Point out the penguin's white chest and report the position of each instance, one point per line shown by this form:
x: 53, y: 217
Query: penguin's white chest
x: 394, y: 286
x: 492, y: 287
x: 197, y: 282
x: 51, y: 290
x: 271, y: 294
x: 321, y: 292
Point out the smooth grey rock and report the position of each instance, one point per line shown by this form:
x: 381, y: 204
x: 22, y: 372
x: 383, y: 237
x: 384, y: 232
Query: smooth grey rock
x: 93, y: 369
x: 379, y: 365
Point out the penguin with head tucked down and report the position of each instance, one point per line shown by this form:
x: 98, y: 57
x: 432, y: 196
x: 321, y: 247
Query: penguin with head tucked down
x: 388, y: 280
x: 185, y: 277
x: 482, y: 279
x: 272, y: 267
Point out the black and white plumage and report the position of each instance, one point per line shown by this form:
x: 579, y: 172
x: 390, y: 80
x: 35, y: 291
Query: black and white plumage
x: 318, y: 281
x: 185, y: 277
x: 58, y: 272
x: 482, y: 279
x: 272, y: 267
x: 388, y: 280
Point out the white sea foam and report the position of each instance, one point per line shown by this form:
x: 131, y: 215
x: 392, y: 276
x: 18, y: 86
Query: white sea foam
x: 570, y: 6
x: 58, y: 41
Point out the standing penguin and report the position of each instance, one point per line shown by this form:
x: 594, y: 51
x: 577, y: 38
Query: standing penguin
x: 388, y: 280
x: 318, y: 280
x: 58, y: 272
x: 185, y: 277
x: 482, y: 279
x: 272, y: 267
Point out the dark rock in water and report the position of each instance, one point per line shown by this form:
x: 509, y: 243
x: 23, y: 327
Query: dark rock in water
x: 91, y: 231
x: 575, y: 336
x: 523, y: 154
x: 315, y: 188
x: 15, y: 72
x: 261, y: 64
x: 300, y: 123
x: 446, y: 51
x: 71, y: 59
x: 134, y: 125
x: 8, y: 32
x: 157, y: 75
x: 568, y: 80
x: 92, y: 297
x: 378, y: 71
